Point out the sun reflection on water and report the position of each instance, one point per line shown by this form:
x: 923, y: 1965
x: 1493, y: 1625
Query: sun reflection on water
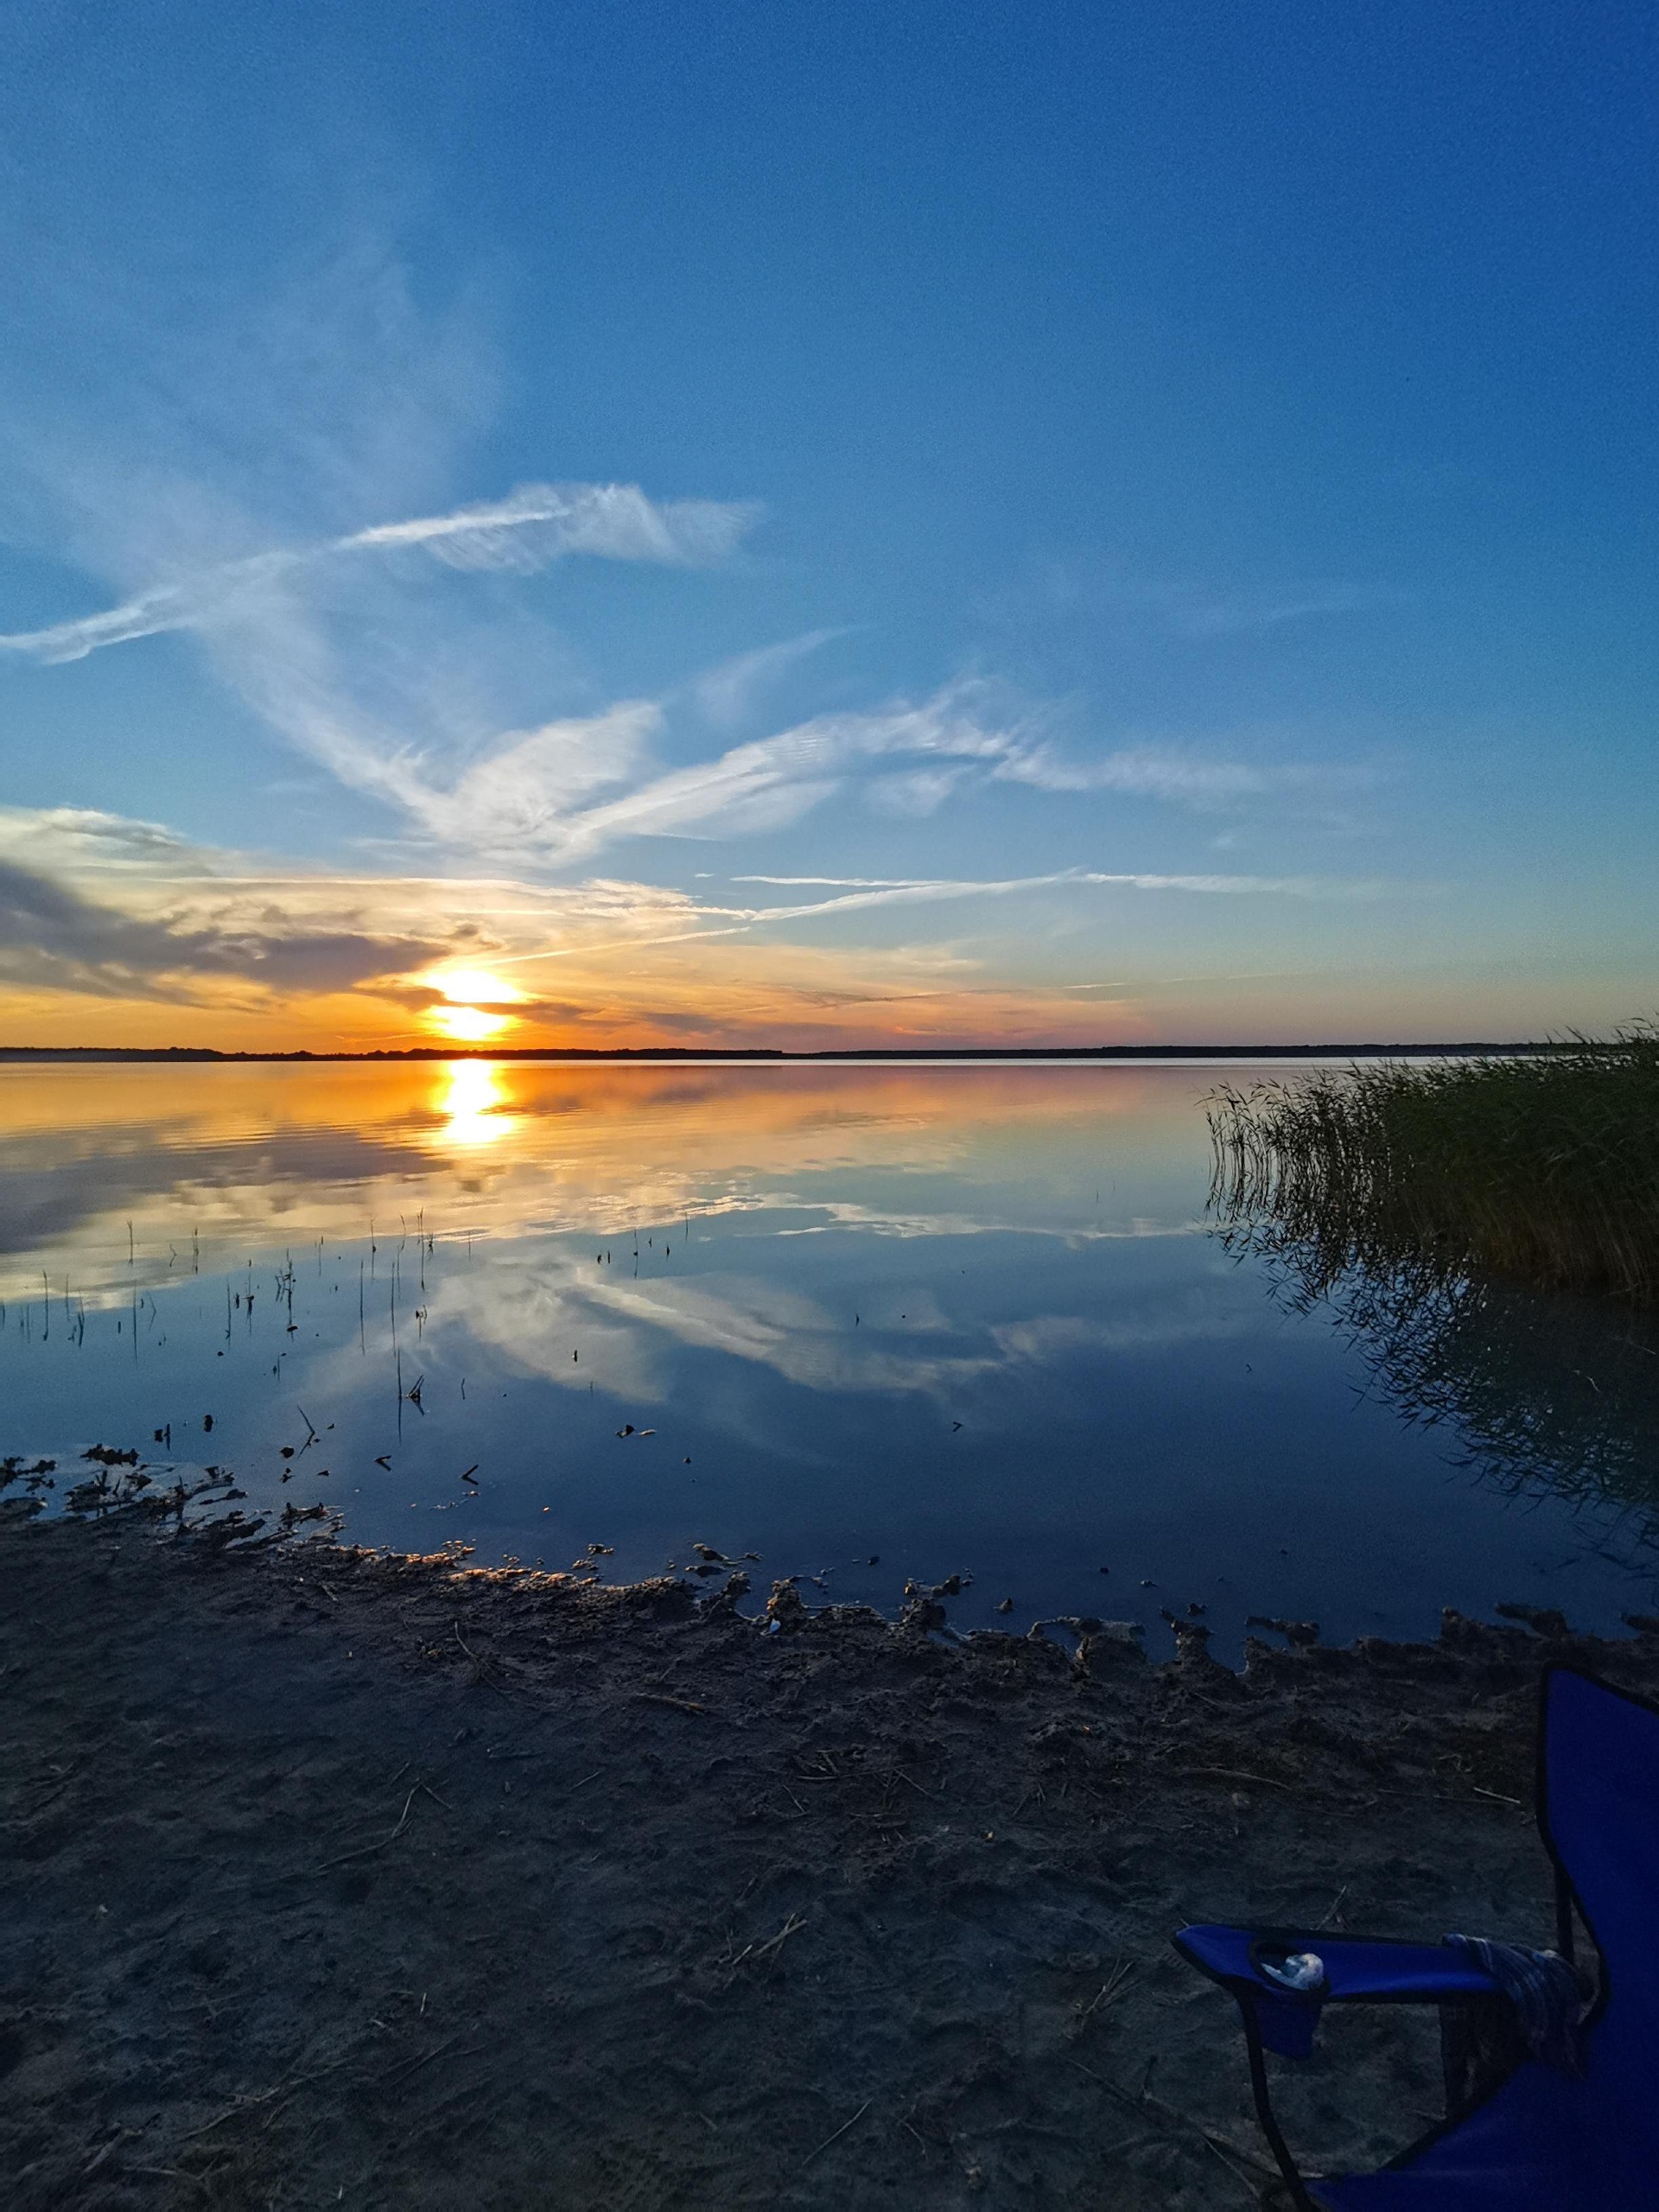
x: 473, y: 1104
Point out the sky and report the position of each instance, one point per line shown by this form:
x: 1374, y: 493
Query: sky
x: 924, y: 522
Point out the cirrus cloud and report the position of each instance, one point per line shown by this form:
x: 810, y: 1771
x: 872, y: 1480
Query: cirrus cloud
x: 532, y: 526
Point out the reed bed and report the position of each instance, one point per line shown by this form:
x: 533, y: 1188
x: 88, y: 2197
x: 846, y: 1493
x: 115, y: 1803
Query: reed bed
x: 1542, y: 1170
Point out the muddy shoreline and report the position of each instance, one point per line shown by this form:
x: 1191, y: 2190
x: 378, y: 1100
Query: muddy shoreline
x: 332, y: 1876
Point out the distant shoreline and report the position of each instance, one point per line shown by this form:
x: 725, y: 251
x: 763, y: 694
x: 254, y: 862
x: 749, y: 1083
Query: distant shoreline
x: 765, y: 1056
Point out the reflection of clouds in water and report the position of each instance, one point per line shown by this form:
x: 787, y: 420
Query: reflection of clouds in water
x: 1048, y: 1337
x: 253, y: 1197
x: 885, y: 1221
x: 71, y: 1208
x: 535, y: 1309
x: 248, y: 1157
x: 255, y: 1194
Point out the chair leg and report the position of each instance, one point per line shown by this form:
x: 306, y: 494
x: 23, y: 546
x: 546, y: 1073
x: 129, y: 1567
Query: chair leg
x: 1276, y: 2143
x: 1563, y: 1916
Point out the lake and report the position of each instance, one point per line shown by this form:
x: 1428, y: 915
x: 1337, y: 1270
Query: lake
x: 870, y: 1322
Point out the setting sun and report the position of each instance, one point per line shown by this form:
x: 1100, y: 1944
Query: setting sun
x: 475, y: 997
x: 469, y: 1025
x: 476, y: 985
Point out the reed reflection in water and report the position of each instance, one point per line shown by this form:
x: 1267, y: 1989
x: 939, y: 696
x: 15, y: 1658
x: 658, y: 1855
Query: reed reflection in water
x: 1542, y: 1393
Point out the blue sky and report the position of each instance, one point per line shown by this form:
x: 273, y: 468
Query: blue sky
x: 1149, y: 512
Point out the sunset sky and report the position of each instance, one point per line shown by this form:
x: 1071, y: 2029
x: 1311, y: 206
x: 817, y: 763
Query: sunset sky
x: 922, y: 522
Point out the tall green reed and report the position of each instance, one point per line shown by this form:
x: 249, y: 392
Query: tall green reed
x: 1542, y: 1169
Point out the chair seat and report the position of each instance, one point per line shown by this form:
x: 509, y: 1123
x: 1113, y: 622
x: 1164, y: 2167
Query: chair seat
x: 1542, y: 2144
x: 1545, y: 2141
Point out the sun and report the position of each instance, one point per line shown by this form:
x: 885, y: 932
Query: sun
x: 469, y: 1025
x: 475, y: 987
x: 478, y: 1004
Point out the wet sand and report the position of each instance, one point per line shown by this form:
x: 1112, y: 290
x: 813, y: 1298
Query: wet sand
x: 330, y: 1877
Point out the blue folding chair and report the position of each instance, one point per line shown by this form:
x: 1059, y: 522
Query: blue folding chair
x: 1519, y: 2136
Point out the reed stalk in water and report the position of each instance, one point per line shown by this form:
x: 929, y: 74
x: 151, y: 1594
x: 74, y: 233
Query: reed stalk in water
x: 1542, y: 1169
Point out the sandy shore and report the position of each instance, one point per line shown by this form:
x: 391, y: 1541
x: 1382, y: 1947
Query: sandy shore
x: 335, y: 1878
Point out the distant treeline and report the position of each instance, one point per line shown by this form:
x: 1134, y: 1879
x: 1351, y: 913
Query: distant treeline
x: 1543, y: 1168
x: 173, y: 1052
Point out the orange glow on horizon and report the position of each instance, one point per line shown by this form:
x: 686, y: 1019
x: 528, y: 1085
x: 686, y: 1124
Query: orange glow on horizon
x: 733, y: 995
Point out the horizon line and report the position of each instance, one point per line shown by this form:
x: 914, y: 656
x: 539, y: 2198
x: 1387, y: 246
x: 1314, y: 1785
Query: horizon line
x: 211, y: 1054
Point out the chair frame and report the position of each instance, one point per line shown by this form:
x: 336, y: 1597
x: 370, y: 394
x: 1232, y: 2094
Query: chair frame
x: 1459, y: 2106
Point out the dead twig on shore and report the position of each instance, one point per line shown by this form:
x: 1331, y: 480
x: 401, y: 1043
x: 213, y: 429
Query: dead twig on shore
x: 1235, y: 1774
x: 1237, y: 2171
x: 1155, y: 2109
x: 773, y: 1944
x: 482, y: 1674
x: 367, y: 1849
x: 1107, y: 1991
x: 413, y: 2065
x: 768, y: 1950
x: 251, y: 2104
x: 51, y: 1795
x: 120, y: 2136
x: 839, y: 2132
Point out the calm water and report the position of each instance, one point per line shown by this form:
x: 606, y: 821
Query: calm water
x: 881, y: 1321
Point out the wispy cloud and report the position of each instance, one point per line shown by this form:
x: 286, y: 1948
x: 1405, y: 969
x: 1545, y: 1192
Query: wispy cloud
x: 924, y: 890
x: 532, y: 795
x: 1179, y: 775
x: 82, y: 842
x: 711, y: 920
x: 1189, y: 608
x: 726, y: 695
x: 535, y: 525
x: 560, y: 793
x: 226, y: 496
x: 530, y: 799
x: 1203, y: 615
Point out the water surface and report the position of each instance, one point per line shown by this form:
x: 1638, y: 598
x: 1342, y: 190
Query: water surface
x: 869, y: 1322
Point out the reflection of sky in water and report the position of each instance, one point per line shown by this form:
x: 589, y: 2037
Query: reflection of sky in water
x: 958, y: 1318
